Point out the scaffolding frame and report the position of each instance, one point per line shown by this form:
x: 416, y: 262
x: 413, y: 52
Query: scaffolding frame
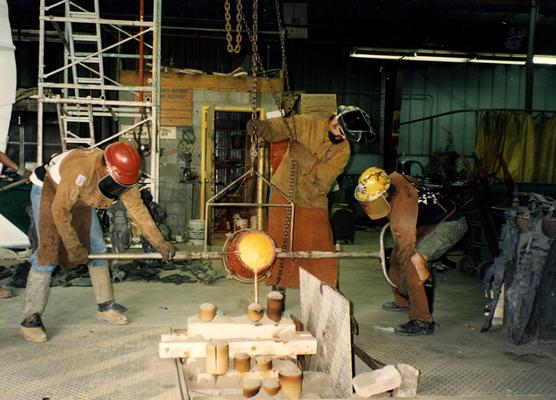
x: 82, y: 99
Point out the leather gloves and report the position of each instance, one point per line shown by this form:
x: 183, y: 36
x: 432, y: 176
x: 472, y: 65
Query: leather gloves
x: 78, y: 255
x: 301, y: 155
x: 24, y: 172
x: 167, y: 250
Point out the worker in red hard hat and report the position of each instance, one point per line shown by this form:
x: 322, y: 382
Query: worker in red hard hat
x: 65, y: 194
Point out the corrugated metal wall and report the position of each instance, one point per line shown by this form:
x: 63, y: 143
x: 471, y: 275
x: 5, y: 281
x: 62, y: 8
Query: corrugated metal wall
x: 432, y: 90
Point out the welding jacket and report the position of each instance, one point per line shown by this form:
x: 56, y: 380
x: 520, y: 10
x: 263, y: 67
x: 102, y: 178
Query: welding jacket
x: 323, y: 160
x: 403, y: 223
x: 70, y: 190
x: 407, y: 228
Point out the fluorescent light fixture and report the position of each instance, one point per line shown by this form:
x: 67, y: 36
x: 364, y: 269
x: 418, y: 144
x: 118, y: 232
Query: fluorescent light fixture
x: 376, y: 56
x: 436, y: 58
x: 544, y: 59
x: 496, y: 61
x: 449, y: 56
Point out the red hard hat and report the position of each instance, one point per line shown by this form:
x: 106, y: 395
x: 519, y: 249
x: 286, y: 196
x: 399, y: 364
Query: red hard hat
x: 123, y: 162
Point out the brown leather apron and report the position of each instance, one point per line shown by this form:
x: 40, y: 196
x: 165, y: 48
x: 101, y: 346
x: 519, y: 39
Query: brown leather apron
x: 311, y: 232
x: 51, y: 247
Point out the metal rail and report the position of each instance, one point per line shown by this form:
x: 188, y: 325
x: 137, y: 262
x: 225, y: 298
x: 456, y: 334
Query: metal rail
x: 215, y: 255
x: 219, y: 255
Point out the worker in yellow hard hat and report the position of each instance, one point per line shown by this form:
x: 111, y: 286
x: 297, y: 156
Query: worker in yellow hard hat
x: 424, y: 226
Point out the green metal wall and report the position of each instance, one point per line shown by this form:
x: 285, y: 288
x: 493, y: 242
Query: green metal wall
x: 430, y: 90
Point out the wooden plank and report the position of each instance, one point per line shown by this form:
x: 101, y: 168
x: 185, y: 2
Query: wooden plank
x: 209, y: 82
x: 176, y: 106
x: 302, y: 343
x: 224, y: 327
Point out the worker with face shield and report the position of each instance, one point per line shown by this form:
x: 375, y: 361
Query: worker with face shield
x: 65, y: 194
x: 424, y: 226
x: 316, y: 156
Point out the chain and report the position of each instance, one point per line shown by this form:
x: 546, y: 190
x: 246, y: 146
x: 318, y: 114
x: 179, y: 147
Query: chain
x: 254, y: 83
x: 293, y: 135
x: 256, y: 64
x: 287, y: 220
x: 260, y: 65
x: 282, y: 33
x: 228, y: 17
x: 257, y: 59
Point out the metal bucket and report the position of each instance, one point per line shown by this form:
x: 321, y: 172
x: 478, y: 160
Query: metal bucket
x: 196, y: 231
x: 237, y: 255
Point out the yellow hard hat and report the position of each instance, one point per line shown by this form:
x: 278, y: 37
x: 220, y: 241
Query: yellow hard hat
x: 373, y: 183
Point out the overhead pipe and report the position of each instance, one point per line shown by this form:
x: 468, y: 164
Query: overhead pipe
x: 141, y: 47
x: 530, y: 67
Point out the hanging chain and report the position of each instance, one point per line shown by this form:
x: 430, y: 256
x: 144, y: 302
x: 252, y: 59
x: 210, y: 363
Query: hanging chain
x: 254, y: 83
x: 228, y: 17
x: 256, y: 58
x: 290, y: 124
x: 282, y: 35
x: 287, y: 220
x: 260, y: 65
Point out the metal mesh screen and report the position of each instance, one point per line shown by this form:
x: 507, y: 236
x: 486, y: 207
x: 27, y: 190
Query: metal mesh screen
x: 325, y: 313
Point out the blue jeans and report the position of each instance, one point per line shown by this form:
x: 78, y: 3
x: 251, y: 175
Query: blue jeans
x: 96, y: 240
x: 445, y: 235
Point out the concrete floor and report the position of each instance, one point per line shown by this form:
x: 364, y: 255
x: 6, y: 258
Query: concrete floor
x: 456, y: 362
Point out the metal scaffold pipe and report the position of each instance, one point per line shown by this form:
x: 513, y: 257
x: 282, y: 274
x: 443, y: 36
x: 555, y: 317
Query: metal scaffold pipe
x: 215, y: 255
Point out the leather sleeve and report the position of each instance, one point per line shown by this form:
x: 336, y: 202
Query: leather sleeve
x: 403, y: 221
x: 140, y: 215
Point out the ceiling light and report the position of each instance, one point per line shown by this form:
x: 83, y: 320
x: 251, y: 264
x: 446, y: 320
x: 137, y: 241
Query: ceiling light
x: 544, y: 59
x: 436, y: 58
x: 496, y: 61
x: 375, y: 56
x: 448, y: 56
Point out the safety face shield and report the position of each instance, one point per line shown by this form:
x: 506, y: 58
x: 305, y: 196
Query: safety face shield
x: 356, y: 123
x: 112, y: 189
x: 377, y: 208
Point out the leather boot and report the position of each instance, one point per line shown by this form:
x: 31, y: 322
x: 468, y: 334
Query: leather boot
x: 108, y: 310
x: 36, y: 297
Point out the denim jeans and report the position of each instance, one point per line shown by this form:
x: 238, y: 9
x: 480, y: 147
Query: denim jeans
x: 97, y: 243
x: 445, y: 235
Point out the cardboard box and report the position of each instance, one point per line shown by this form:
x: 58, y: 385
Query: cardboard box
x: 322, y: 105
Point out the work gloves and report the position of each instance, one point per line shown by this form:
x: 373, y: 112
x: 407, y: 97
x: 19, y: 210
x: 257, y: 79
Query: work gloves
x: 300, y: 154
x: 167, y: 250
x: 24, y: 172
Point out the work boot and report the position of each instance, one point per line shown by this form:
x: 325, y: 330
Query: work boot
x: 391, y: 306
x: 5, y: 293
x: 108, y: 310
x: 415, y: 327
x: 36, y: 297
